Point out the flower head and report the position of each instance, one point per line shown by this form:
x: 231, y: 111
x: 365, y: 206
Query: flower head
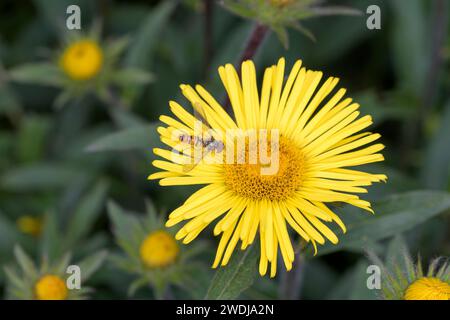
x: 159, y: 249
x: 149, y: 252
x: 402, y: 279
x: 30, y: 225
x: 278, y: 163
x: 82, y: 60
x: 46, y: 281
x: 428, y: 288
x: 50, y: 287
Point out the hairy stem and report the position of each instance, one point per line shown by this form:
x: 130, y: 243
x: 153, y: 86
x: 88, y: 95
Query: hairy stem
x: 291, y: 282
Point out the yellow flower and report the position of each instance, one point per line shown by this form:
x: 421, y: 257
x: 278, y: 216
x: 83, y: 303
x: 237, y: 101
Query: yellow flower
x: 82, y: 60
x: 159, y: 249
x: 428, y: 288
x: 316, y: 140
x: 30, y: 225
x: 50, y: 287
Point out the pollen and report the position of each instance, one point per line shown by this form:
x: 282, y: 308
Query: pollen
x: 247, y: 180
x: 159, y: 250
x: 50, y: 287
x: 82, y: 60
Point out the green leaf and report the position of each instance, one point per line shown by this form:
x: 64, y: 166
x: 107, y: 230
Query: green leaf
x: 8, y: 236
x: 394, y: 215
x: 396, y: 251
x: 353, y: 284
x: 409, y: 43
x: 239, y: 9
x: 116, y: 47
x: 436, y: 169
x: 26, y: 263
x: 87, y: 212
x: 136, y: 285
x: 131, y: 77
x: 38, y: 73
x: 8, y: 100
x: 14, y: 278
x: 126, y: 119
x: 141, y: 49
x: 142, y: 137
x: 39, y: 176
x: 61, y: 266
x: 235, y: 277
x: 50, y: 240
x: 334, y: 10
x: 282, y: 36
x: 31, y: 139
x: 127, y: 229
x: 91, y: 264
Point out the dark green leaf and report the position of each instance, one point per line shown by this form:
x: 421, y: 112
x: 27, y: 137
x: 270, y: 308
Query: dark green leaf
x: 141, y: 49
x: 239, y: 274
x: 86, y: 213
x: 409, y: 43
x: 394, y: 215
x: 38, y: 73
x: 91, y: 264
x: 142, y: 137
x: 38, y: 177
x: 436, y: 169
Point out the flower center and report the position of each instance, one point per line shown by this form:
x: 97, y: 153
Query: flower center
x: 273, y: 181
x: 82, y: 60
x: 50, y: 287
x: 428, y: 288
x: 159, y: 249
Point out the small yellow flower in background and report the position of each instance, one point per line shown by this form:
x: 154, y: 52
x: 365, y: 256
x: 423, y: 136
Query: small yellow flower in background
x: 151, y: 253
x: 319, y: 138
x: 46, y: 280
x: 30, y: 225
x: 428, y: 288
x: 51, y: 287
x: 85, y: 64
x: 82, y: 60
x: 159, y: 249
x: 402, y: 279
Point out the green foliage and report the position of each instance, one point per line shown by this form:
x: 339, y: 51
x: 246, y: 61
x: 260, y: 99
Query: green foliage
x: 239, y: 274
x: 436, y: 171
x: 399, y: 270
x: 130, y: 231
x: 394, y: 215
x: 22, y: 280
x: 279, y: 15
x: 137, y: 137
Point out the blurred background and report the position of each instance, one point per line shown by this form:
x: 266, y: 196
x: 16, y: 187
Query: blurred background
x: 73, y: 172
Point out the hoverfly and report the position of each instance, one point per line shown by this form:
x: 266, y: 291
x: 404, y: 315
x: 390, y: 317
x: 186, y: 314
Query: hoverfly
x: 207, y: 145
